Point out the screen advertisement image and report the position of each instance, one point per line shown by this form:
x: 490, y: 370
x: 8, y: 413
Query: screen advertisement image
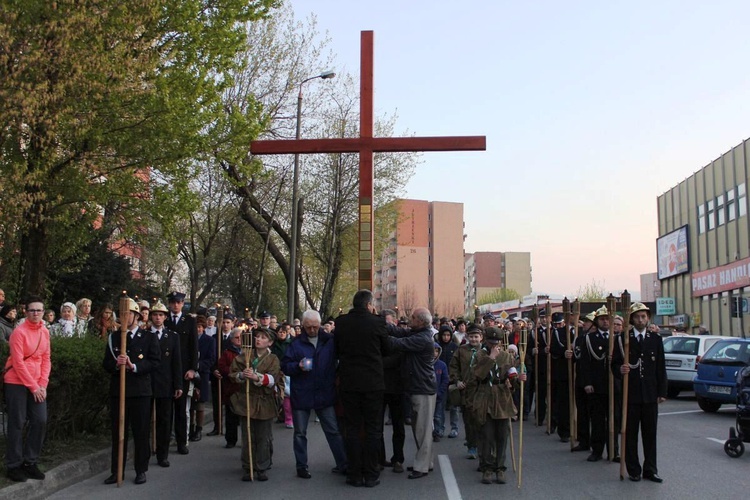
x: 672, y: 253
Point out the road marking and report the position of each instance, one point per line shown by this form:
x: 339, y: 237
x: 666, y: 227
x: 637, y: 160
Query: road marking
x: 680, y: 412
x: 449, y: 479
x: 720, y: 441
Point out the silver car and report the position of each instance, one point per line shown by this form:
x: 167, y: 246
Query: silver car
x: 682, y: 353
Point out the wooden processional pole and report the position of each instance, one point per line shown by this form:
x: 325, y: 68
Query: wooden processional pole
x: 625, y: 299
x: 611, y: 308
x: 124, y: 310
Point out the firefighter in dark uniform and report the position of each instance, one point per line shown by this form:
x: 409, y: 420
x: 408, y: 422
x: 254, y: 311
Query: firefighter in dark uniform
x: 187, y: 332
x: 140, y: 359
x: 595, y: 378
x: 647, y: 388
x: 560, y: 392
x: 583, y: 414
x: 542, y: 339
x: 166, y: 380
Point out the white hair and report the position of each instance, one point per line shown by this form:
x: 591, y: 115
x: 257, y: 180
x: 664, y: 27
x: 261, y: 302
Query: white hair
x: 311, y: 316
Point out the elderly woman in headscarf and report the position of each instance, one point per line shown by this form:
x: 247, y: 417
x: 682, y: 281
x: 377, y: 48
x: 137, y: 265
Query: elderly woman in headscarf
x: 68, y: 325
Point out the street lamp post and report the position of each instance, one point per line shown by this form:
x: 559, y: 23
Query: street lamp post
x: 292, y: 283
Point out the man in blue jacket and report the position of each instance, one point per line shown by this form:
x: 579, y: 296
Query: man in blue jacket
x: 310, y: 363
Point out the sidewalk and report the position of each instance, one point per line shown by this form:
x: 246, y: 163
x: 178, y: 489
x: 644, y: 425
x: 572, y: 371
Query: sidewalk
x: 69, y: 473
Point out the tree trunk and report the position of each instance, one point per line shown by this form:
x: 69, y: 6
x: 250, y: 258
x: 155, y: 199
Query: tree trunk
x: 34, y: 258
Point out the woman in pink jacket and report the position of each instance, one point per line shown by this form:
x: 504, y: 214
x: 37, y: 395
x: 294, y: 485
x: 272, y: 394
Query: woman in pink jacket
x: 26, y: 379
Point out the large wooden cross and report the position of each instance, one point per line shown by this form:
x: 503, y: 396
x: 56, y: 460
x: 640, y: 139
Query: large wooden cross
x: 366, y: 145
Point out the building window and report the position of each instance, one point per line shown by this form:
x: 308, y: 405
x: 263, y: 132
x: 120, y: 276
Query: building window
x: 711, y: 217
x: 701, y: 219
x: 731, y: 206
x: 720, y: 210
x: 741, y: 201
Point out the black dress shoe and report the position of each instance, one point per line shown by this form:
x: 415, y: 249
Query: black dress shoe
x: 616, y: 459
x: 163, y: 463
x: 635, y: 478
x: 214, y: 432
x: 580, y: 448
x: 303, y: 473
x: 111, y: 479
x: 140, y: 478
x: 196, y: 436
x: 565, y: 439
x: 371, y: 483
x: 594, y: 458
x: 653, y: 477
x: 182, y: 449
x: 230, y: 445
x: 354, y: 482
x: 261, y: 476
x: 417, y: 475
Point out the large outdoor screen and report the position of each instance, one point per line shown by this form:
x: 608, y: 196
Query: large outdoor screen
x: 672, y: 253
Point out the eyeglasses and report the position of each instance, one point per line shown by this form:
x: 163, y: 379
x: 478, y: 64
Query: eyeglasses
x: 34, y: 310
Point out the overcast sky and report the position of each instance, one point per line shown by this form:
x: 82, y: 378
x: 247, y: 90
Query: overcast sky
x: 591, y: 110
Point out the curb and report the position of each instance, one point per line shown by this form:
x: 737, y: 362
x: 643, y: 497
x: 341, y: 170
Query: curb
x: 59, y: 478
x: 69, y: 473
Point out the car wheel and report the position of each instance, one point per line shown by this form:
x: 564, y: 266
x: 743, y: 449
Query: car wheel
x: 673, y: 392
x: 734, y: 448
x: 708, y: 405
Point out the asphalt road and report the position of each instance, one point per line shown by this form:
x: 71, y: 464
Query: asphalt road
x: 691, y: 461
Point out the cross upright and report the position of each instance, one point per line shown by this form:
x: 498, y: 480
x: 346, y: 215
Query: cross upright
x: 366, y: 145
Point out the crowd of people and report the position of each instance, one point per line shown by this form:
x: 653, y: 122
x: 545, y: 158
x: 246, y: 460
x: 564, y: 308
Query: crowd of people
x: 352, y: 373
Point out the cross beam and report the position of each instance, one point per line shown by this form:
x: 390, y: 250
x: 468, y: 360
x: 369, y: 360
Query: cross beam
x: 366, y: 145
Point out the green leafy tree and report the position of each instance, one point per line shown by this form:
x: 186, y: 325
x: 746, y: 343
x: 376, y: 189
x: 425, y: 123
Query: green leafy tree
x: 499, y: 295
x: 591, y: 292
x: 104, y: 106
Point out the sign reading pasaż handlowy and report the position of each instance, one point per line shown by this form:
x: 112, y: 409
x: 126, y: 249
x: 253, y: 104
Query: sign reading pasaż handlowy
x: 722, y: 278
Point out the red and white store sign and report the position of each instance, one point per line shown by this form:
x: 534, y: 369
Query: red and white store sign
x: 722, y: 278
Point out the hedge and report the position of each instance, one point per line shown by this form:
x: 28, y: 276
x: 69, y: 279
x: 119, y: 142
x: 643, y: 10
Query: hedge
x: 78, y: 388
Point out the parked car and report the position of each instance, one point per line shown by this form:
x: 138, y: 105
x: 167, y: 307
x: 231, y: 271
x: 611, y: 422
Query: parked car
x: 682, y: 354
x: 716, y: 381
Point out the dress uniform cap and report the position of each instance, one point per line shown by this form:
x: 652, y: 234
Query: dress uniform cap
x: 264, y: 314
x: 558, y: 317
x: 229, y: 315
x: 159, y: 307
x: 489, y: 316
x: 176, y: 297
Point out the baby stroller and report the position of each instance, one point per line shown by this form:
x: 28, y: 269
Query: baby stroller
x: 741, y: 431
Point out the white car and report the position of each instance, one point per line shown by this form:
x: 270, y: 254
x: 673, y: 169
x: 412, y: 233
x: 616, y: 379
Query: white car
x: 682, y: 353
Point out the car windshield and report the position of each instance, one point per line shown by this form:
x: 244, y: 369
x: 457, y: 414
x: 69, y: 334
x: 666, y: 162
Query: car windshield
x: 681, y: 345
x: 730, y: 352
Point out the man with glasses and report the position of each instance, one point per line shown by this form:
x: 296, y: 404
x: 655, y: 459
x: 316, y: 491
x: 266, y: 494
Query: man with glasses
x: 310, y: 362
x: 26, y: 378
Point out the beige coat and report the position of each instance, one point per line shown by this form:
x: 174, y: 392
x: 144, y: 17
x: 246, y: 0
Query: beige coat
x: 262, y: 397
x: 493, y: 398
